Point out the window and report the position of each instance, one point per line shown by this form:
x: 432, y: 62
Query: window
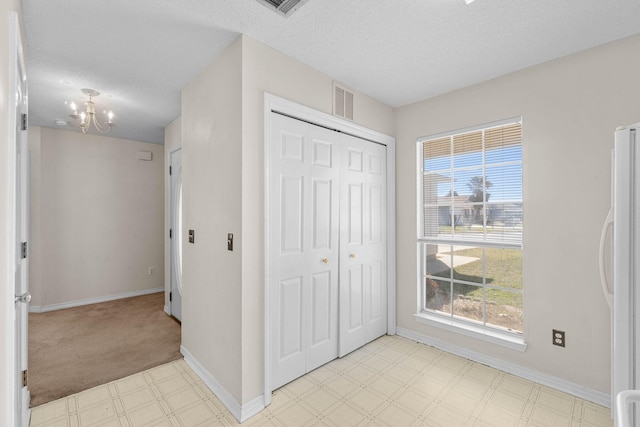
x: 470, y: 228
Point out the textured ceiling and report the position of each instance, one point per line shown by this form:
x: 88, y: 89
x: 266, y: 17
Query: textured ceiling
x: 140, y: 54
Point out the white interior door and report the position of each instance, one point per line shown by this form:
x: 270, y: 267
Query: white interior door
x: 363, y: 243
x: 175, y: 183
x: 303, y: 187
x: 23, y: 297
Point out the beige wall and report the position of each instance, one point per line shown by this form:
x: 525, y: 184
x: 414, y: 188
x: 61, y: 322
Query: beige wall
x: 223, y: 179
x: 212, y: 207
x: 570, y: 109
x: 266, y: 70
x: 35, y: 217
x: 172, y: 140
x: 97, y: 216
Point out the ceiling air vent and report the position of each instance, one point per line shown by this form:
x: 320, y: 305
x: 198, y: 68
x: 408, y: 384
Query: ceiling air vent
x: 342, y: 102
x: 283, y: 7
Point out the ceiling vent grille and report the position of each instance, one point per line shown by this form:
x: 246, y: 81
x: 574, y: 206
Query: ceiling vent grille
x: 342, y: 102
x: 283, y: 7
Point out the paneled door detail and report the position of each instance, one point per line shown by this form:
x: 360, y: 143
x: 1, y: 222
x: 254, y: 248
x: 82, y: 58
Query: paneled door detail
x: 363, y: 245
x: 304, y: 226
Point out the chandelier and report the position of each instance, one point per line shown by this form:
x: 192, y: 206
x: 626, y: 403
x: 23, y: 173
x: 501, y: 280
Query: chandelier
x: 84, y: 119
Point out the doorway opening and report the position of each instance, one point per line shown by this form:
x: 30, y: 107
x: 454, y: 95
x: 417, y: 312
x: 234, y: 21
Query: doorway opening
x: 118, y: 261
x: 175, y: 233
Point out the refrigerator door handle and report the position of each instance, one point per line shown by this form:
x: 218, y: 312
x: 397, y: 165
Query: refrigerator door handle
x: 606, y: 286
x: 624, y: 399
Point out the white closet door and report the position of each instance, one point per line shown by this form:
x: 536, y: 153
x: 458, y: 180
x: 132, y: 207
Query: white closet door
x: 304, y: 193
x: 363, y: 257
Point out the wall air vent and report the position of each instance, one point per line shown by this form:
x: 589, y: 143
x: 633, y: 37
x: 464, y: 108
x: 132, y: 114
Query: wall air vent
x: 342, y: 102
x: 283, y: 7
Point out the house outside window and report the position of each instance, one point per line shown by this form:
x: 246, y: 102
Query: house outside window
x: 470, y: 229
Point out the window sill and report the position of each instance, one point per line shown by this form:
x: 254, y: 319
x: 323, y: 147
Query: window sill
x: 493, y: 336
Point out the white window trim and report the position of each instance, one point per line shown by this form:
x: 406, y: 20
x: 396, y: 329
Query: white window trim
x: 494, y: 336
x: 452, y: 324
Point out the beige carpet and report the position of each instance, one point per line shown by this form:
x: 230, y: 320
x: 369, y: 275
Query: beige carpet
x: 78, y: 348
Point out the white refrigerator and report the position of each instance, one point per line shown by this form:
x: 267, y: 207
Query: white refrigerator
x: 622, y: 284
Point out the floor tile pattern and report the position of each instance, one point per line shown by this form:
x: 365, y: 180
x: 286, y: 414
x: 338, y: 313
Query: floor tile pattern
x: 389, y: 382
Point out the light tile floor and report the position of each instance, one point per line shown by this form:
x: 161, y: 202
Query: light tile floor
x: 389, y: 382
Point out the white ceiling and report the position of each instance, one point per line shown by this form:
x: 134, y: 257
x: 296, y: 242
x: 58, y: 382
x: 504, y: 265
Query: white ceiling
x: 140, y: 54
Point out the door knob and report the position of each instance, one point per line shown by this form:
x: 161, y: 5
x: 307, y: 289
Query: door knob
x: 26, y: 298
x: 352, y: 256
x: 325, y: 260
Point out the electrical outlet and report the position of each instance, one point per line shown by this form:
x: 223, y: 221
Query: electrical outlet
x: 151, y: 270
x: 558, y: 338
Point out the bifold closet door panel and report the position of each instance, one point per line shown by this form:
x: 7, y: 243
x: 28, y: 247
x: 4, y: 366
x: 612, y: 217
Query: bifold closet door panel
x: 363, y: 257
x: 324, y: 244
x: 304, y: 243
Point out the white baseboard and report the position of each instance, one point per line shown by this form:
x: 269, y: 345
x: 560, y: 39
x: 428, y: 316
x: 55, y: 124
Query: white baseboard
x: 251, y: 408
x: 166, y: 310
x: 240, y: 412
x: 565, y: 386
x: 77, y: 303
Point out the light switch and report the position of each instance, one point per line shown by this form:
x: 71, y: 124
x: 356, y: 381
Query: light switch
x: 192, y: 236
x: 230, y: 242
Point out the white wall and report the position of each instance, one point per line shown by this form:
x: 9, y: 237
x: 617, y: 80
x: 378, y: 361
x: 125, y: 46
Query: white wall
x: 172, y: 140
x: 570, y: 109
x: 212, y: 207
x: 98, y: 217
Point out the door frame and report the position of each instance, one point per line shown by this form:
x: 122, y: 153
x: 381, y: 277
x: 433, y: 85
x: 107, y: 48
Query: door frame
x: 12, y: 329
x: 276, y: 104
x: 172, y: 236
